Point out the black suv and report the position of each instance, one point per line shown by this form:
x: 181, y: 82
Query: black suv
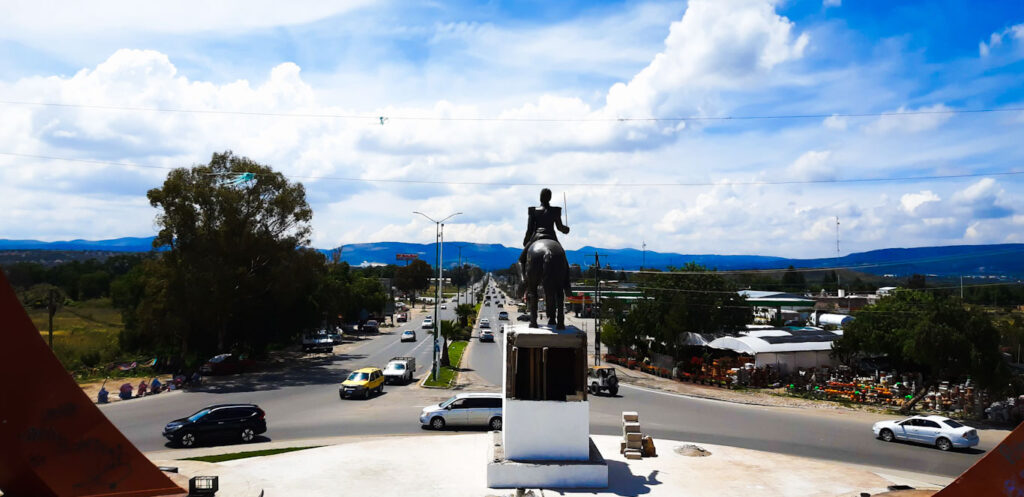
x: 238, y: 422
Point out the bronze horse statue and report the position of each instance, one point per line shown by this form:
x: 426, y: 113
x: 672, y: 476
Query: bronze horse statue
x: 545, y: 266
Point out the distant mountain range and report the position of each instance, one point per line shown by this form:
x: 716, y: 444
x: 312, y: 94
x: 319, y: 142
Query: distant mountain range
x: 968, y: 260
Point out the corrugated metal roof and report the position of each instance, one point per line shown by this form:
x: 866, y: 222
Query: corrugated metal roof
x: 779, y: 340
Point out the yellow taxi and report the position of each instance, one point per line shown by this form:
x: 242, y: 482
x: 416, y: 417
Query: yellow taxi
x: 362, y: 383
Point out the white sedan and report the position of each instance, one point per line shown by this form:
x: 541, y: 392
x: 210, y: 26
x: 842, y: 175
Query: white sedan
x: 943, y: 433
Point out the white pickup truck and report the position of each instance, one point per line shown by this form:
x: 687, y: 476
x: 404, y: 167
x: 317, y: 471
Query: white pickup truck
x: 400, y: 369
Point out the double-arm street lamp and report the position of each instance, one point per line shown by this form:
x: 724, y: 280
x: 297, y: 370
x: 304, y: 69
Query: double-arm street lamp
x: 438, y: 246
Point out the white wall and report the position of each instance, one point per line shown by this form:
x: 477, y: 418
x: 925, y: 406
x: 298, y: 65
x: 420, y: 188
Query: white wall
x: 535, y: 430
x: 788, y: 362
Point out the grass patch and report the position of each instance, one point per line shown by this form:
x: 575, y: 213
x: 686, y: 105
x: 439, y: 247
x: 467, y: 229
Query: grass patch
x: 243, y: 455
x: 447, y: 374
x: 85, y: 336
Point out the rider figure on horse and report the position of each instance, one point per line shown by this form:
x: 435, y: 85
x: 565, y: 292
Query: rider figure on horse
x: 541, y: 226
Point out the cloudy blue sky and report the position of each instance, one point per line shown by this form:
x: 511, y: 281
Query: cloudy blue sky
x: 494, y: 98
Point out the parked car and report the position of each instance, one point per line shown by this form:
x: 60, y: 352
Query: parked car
x: 318, y: 342
x: 464, y: 409
x: 408, y: 336
x: 503, y: 315
x: 335, y: 337
x: 943, y: 433
x: 240, y: 422
x: 487, y: 336
x: 602, y: 379
x: 428, y: 323
x: 400, y: 369
x: 362, y: 383
x: 225, y: 364
x: 401, y: 317
x: 485, y: 323
x: 371, y: 326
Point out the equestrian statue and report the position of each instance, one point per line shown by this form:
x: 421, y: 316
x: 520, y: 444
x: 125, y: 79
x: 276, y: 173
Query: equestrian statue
x: 543, y: 262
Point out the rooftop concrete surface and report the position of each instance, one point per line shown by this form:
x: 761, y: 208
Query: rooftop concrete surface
x: 455, y: 465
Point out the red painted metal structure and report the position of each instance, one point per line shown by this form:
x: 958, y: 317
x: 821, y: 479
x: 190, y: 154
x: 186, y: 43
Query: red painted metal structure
x: 53, y: 440
x: 999, y: 473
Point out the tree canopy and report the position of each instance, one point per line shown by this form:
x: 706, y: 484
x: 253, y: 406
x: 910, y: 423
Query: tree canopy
x: 934, y: 335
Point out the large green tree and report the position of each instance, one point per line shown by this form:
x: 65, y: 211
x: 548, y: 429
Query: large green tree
x: 413, y: 278
x: 687, y: 299
x: 935, y: 336
x: 234, y: 275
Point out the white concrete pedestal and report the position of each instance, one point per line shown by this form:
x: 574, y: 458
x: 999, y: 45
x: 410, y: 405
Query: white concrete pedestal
x: 507, y: 473
x: 545, y: 443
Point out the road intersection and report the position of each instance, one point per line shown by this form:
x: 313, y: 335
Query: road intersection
x: 301, y: 402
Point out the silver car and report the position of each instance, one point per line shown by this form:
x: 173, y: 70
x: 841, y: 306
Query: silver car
x: 464, y: 409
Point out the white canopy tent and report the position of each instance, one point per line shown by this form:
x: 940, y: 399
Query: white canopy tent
x: 784, y: 348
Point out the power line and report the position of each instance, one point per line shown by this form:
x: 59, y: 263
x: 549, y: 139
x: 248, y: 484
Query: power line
x: 550, y: 184
x: 812, y: 270
x: 738, y: 292
x: 383, y: 118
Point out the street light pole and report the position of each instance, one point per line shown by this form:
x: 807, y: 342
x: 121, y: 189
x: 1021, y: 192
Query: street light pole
x: 438, y: 226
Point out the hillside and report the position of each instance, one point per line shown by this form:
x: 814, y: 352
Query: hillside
x: 969, y: 260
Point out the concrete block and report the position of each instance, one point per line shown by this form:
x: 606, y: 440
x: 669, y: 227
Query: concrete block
x: 631, y: 427
x: 635, y: 445
x: 630, y: 416
x: 633, y: 454
x: 632, y: 437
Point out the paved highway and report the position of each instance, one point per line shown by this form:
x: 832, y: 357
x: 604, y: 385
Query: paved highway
x: 302, y: 402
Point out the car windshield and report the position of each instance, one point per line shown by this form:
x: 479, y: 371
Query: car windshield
x: 951, y: 423
x: 195, y: 417
x: 397, y: 365
x: 357, y: 376
x: 448, y: 402
x: 219, y: 358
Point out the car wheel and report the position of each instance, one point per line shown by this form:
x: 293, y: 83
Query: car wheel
x: 593, y: 389
x: 495, y: 424
x: 943, y: 444
x: 366, y: 394
x: 437, y: 423
x: 613, y: 390
x: 248, y: 435
x: 187, y: 439
x: 886, y: 435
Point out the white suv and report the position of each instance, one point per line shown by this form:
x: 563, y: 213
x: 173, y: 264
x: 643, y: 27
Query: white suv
x: 464, y: 409
x: 485, y: 323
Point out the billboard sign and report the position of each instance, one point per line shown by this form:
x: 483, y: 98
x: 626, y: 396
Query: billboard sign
x: 406, y: 257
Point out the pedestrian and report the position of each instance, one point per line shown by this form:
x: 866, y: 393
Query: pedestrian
x: 125, y: 391
x: 142, y: 389
x: 154, y: 386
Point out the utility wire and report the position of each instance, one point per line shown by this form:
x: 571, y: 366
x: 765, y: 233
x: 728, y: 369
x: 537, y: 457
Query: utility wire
x: 812, y: 270
x: 532, y: 184
x: 737, y: 292
x: 383, y: 119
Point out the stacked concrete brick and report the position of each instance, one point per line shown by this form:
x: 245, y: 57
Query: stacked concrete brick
x: 632, y: 438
